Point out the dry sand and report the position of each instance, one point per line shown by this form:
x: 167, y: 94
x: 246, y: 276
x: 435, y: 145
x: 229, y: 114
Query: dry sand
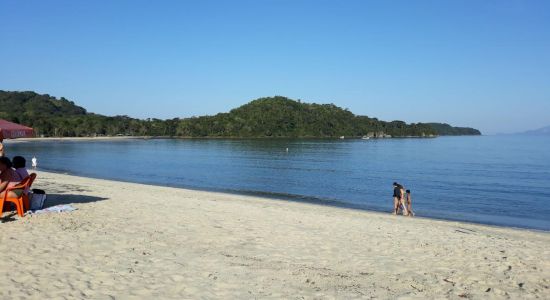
x: 132, y: 241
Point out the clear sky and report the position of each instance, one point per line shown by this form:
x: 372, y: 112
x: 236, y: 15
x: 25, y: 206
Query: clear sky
x: 476, y: 63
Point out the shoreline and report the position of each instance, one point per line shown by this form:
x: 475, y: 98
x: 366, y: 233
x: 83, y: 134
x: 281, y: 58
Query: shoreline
x: 300, y: 199
x: 114, y: 138
x: 101, y: 138
x: 133, y: 240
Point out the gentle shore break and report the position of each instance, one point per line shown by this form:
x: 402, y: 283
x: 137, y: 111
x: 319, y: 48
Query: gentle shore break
x: 133, y: 241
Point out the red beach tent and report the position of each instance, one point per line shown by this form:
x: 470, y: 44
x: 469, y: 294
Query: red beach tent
x: 9, y: 130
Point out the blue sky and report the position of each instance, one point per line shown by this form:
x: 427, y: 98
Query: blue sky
x: 484, y: 64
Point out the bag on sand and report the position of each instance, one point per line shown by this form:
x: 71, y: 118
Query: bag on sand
x: 37, y: 199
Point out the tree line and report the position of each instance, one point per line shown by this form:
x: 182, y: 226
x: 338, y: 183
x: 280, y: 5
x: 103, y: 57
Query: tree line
x: 265, y: 117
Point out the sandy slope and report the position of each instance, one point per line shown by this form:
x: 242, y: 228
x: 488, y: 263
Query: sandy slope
x: 136, y: 241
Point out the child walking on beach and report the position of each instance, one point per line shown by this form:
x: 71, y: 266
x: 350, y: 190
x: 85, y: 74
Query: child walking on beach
x: 408, y: 203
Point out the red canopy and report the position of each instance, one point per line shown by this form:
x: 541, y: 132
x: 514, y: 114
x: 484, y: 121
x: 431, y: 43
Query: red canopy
x: 9, y: 130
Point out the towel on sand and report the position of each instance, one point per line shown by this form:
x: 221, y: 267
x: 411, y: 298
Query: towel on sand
x: 57, y: 209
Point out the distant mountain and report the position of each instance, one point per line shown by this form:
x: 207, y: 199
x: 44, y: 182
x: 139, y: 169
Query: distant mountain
x: 446, y: 129
x: 261, y: 118
x: 540, y: 131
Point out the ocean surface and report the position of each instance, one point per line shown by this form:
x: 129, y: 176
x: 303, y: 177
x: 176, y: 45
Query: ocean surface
x: 498, y: 180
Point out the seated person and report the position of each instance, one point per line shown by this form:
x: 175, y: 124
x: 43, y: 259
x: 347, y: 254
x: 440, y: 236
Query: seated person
x: 20, y: 166
x: 8, y: 178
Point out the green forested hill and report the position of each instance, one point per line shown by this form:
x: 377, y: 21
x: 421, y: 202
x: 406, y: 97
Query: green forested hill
x: 265, y: 117
x: 446, y: 129
x: 283, y: 117
x: 50, y: 116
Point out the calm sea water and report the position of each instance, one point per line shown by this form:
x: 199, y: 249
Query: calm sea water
x: 500, y: 180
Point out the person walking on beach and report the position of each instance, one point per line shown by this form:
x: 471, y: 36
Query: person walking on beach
x: 402, y: 201
x: 397, y: 195
x: 408, y: 203
x: 34, y: 162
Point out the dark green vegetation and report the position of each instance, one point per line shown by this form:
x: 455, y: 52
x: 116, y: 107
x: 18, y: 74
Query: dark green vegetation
x: 282, y: 117
x: 265, y: 117
x: 446, y: 129
x: 60, y: 117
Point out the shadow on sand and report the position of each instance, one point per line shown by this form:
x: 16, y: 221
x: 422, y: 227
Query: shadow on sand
x: 57, y: 199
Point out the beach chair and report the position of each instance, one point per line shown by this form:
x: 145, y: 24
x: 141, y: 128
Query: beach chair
x: 26, y: 200
x: 19, y: 201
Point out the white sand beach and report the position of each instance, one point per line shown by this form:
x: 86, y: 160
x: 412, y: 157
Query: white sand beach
x: 132, y: 241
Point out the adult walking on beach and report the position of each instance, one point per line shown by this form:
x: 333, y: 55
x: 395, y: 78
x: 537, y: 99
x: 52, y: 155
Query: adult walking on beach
x: 397, y: 195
